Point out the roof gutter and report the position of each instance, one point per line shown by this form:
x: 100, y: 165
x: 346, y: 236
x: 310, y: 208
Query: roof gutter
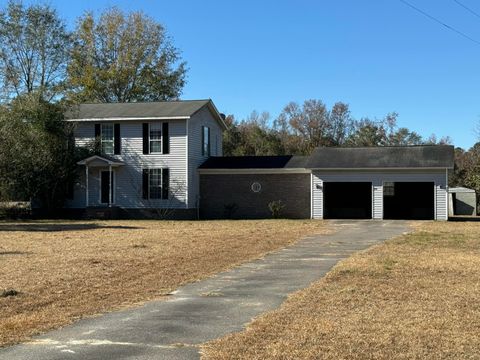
x: 255, y: 171
x: 383, y: 168
x: 119, y: 118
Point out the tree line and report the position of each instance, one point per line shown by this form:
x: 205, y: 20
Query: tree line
x: 301, y: 128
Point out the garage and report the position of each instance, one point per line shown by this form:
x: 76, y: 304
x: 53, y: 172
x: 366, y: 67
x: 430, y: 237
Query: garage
x: 347, y: 200
x: 409, y: 200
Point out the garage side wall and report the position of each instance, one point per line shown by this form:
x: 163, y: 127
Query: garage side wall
x: 377, y: 178
x: 231, y: 195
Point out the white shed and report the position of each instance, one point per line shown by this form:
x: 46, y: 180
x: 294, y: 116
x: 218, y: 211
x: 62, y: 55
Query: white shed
x: 462, y: 201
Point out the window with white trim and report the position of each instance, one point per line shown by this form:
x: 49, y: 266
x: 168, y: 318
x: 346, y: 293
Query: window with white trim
x: 155, y: 183
x: 155, y: 138
x: 205, y: 141
x: 106, y: 138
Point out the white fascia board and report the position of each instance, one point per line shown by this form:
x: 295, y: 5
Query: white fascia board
x: 131, y: 118
x: 253, y: 171
x: 380, y: 169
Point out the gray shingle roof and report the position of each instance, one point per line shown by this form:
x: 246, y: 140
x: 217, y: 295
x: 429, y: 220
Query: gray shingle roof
x: 432, y: 156
x: 429, y: 156
x: 255, y: 162
x: 180, y: 108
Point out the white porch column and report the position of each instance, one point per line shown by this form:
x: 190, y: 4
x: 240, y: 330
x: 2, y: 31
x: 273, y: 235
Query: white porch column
x: 110, y: 190
x: 86, y: 185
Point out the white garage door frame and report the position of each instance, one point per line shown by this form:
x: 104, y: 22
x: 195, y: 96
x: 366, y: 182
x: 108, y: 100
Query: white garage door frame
x: 377, y: 178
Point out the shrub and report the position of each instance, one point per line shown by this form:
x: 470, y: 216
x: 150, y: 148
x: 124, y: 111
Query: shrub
x: 229, y: 209
x: 276, y: 207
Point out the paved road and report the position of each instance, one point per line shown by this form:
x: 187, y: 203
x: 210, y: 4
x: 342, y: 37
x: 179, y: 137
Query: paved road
x: 207, y: 309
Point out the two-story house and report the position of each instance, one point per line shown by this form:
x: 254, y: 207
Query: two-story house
x: 149, y: 156
x: 165, y: 158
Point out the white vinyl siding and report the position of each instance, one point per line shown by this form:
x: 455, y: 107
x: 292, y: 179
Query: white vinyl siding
x: 378, y: 178
x: 195, y: 158
x: 128, y: 184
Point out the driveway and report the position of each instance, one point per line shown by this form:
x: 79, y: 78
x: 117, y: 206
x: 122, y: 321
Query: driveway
x: 208, y: 309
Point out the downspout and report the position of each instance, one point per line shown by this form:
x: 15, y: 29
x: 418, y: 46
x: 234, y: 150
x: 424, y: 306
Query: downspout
x: 446, y: 193
x: 187, y: 172
x: 86, y: 186
x: 110, y: 190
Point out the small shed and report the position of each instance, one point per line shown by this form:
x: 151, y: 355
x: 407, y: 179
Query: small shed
x: 463, y: 201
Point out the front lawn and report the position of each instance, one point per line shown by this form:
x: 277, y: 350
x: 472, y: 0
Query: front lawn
x: 63, y: 271
x: 413, y: 297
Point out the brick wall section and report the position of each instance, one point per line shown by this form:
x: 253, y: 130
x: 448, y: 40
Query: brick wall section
x: 218, y: 191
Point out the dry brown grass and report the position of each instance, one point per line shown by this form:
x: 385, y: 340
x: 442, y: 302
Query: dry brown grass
x: 66, y: 270
x: 413, y: 297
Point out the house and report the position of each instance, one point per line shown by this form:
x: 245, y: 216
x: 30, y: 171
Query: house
x: 332, y: 183
x: 150, y: 153
x: 462, y: 201
x: 166, y: 157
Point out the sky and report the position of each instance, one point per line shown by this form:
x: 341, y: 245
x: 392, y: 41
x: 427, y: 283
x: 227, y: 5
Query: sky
x: 379, y: 56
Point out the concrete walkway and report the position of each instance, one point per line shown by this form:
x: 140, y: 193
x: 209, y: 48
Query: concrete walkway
x: 207, y: 309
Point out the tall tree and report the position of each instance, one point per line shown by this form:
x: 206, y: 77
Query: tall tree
x: 383, y: 132
x: 34, y: 51
x: 120, y: 57
x: 302, y: 128
x: 251, y: 136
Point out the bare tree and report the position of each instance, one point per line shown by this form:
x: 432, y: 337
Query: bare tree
x: 34, y: 51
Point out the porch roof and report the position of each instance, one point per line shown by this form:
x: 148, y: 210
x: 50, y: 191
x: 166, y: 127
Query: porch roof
x: 99, y: 161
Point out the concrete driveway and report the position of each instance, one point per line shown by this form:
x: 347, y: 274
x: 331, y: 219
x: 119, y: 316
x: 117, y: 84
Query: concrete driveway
x: 207, y: 309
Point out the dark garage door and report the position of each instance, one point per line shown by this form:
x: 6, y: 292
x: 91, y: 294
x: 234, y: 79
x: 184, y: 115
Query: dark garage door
x: 408, y: 200
x: 347, y: 200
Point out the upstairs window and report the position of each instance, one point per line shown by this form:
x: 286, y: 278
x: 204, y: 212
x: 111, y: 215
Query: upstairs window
x: 155, y: 138
x: 107, y: 139
x: 205, y: 141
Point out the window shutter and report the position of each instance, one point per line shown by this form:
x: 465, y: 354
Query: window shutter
x: 145, y: 183
x: 97, y: 131
x: 165, y: 139
x: 145, y: 139
x: 117, y: 139
x: 165, y: 183
x: 203, y: 140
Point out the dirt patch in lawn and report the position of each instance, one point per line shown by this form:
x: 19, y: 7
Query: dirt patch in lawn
x: 413, y: 297
x: 55, y: 272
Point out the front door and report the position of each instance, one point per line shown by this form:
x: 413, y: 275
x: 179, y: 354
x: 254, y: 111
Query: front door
x: 105, y: 186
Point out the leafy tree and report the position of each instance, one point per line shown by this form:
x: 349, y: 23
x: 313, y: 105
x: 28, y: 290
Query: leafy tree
x: 122, y: 57
x: 303, y: 128
x: 36, y: 160
x: 467, y: 168
x: 384, y: 132
x: 368, y: 133
x: 404, y: 137
x: 34, y: 51
x: 251, y: 136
